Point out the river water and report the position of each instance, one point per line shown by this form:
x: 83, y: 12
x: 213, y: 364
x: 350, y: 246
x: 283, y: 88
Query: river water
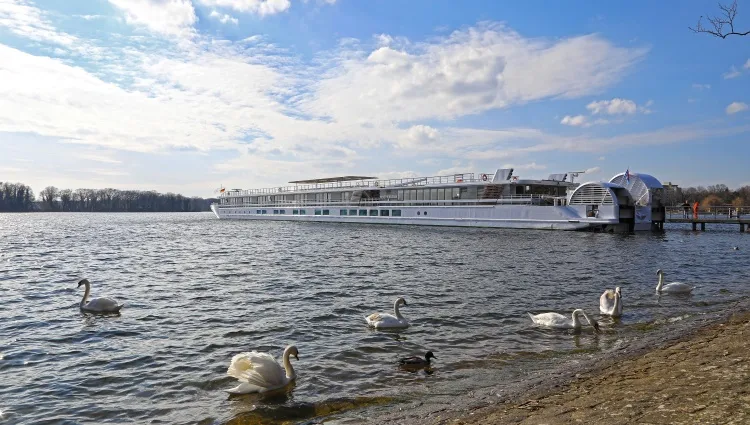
x: 198, y: 290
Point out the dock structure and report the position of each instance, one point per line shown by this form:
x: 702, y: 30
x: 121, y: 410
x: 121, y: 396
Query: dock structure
x: 712, y: 215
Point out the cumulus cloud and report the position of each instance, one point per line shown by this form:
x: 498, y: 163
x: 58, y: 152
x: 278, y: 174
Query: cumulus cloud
x: 258, y: 7
x: 166, y: 17
x: 575, y: 121
x: 747, y: 64
x: 615, y: 106
x: 468, y: 72
x: 224, y: 18
x: 736, y: 107
x: 732, y: 73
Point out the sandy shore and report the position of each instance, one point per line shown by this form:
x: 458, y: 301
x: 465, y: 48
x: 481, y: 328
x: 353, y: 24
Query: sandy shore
x: 704, y: 379
x: 694, y: 372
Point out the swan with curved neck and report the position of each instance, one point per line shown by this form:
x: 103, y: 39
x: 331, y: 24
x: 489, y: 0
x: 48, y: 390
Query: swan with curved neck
x: 259, y: 372
x: 97, y: 305
x: 610, y: 302
x: 386, y: 321
x: 673, y: 287
x: 557, y: 320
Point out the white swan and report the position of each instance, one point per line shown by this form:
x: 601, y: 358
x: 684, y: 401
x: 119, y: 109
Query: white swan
x: 388, y: 321
x: 556, y: 320
x: 610, y: 302
x: 97, y: 305
x: 259, y: 372
x: 674, y: 287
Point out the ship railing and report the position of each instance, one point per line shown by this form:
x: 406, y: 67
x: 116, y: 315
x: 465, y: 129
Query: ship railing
x: 504, y: 200
x: 713, y: 211
x: 368, y: 184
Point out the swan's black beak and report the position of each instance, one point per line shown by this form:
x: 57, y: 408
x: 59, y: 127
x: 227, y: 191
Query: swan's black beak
x: 296, y: 356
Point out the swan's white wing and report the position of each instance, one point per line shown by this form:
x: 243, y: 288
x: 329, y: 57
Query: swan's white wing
x: 102, y: 304
x: 555, y: 320
x: 607, y: 302
x: 258, y: 369
x: 383, y: 320
x: 245, y: 388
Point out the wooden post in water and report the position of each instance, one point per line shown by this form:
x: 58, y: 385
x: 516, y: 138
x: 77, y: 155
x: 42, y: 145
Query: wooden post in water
x: 703, y: 227
x: 742, y: 227
x: 694, y: 228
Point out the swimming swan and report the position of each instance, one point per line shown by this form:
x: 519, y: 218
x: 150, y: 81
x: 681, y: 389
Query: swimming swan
x: 417, y: 361
x: 97, y: 305
x: 259, y: 372
x: 673, y: 288
x: 388, y: 321
x: 610, y: 302
x: 556, y: 320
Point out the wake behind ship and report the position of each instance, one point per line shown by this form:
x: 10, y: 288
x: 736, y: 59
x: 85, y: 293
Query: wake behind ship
x: 628, y: 202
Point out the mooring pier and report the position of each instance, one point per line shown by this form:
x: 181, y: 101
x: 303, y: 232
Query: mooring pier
x: 711, y: 215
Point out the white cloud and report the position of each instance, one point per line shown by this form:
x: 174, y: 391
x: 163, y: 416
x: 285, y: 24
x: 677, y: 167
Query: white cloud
x: 89, y: 17
x: 98, y: 158
x: 735, y: 107
x: 22, y: 18
x: 224, y: 18
x: 575, y: 121
x: 701, y: 86
x: 747, y: 64
x: 732, y: 73
x: 470, y: 71
x: 593, y: 170
x: 258, y: 7
x: 615, y: 106
x: 166, y: 17
x: 601, y: 158
x: 529, y: 166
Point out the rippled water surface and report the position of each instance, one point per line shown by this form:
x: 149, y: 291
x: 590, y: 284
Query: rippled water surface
x: 198, y: 290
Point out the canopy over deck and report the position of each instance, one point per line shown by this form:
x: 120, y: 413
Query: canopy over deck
x: 333, y: 179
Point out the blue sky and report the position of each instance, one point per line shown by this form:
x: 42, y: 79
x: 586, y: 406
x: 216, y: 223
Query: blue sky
x: 188, y: 95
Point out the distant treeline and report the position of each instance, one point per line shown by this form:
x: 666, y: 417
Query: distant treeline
x: 17, y: 197
x: 709, y: 196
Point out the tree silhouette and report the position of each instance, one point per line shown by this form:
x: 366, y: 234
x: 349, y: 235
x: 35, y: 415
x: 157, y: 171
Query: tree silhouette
x: 723, y: 25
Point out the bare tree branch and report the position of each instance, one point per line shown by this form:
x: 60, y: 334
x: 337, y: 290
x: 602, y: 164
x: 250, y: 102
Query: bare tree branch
x: 719, y: 22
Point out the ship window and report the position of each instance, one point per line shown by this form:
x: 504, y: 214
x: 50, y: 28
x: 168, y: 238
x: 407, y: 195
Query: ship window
x: 282, y: 211
x: 471, y: 192
x: 275, y: 211
x: 433, y: 194
x: 295, y: 212
x: 418, y: 213
x: 317, y: 212
x: 362, y: 212
x: 420, y: 194
x: 400, y: 195
x: 441, y: 194
x: 263, y: 211
x: 384, y: 213
x: 302, y: 212
x: 326, y: 212
x: 257, y: 211
x: 456, y: 193
x: 373, y: 213
x: 342, y: 212
x: 352, y: 212
x: 425, y: 213
x: 396, y: 213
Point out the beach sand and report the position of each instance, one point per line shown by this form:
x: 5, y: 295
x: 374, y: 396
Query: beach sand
x: 702, y: 378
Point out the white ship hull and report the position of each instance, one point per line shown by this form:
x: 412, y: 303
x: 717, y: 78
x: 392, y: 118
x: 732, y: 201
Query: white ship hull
x: 498, y: 216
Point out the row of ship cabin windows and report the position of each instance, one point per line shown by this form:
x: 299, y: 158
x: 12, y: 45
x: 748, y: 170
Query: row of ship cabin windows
x: 369, y: 213
x: 447, y: 194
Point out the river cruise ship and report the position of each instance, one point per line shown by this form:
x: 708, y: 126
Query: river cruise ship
x: 497, y: 199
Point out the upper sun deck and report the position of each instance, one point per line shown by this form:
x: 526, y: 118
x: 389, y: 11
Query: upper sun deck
x: 502, y: 176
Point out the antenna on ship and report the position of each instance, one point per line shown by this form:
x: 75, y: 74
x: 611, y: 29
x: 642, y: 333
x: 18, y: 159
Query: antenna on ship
x: 574, y: 174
